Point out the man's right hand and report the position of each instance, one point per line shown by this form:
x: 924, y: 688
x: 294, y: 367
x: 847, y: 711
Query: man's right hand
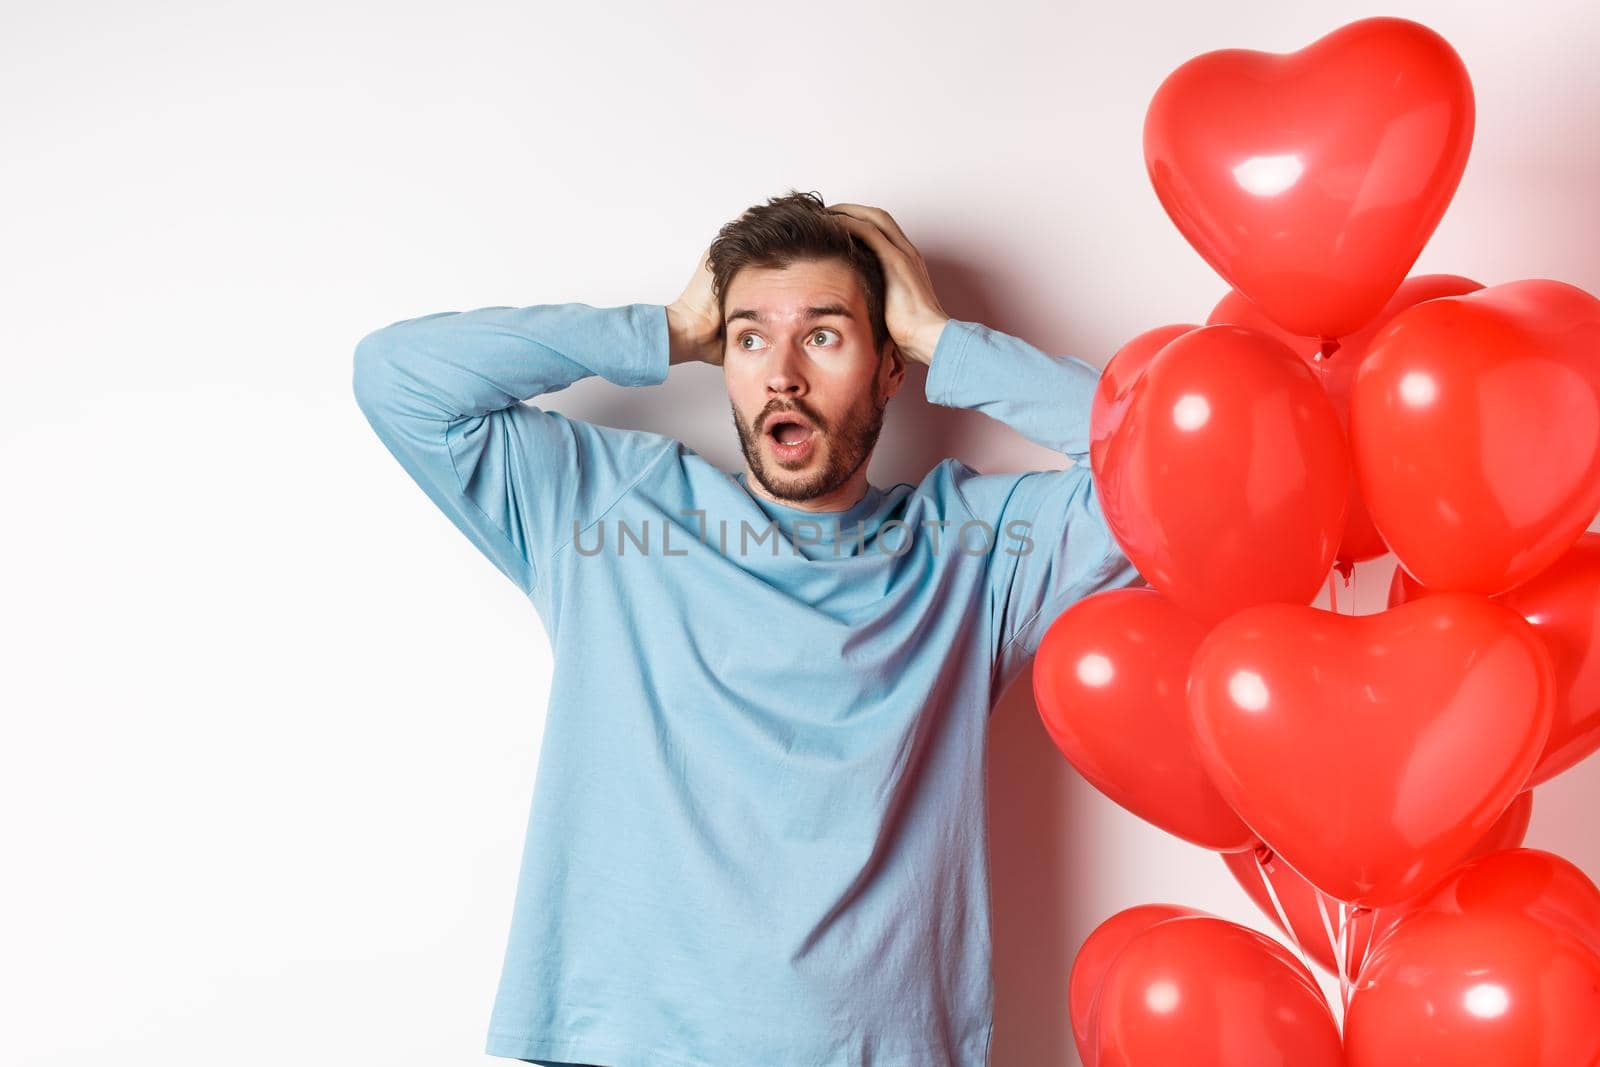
x: 694, y: 322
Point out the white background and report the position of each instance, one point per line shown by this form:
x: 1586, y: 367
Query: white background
x: 271, y: 722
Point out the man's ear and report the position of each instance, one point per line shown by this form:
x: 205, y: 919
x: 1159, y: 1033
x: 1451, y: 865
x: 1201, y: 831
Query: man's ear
x: 897, y: 368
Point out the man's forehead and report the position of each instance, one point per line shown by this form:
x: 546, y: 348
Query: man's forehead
x: 801, y: 291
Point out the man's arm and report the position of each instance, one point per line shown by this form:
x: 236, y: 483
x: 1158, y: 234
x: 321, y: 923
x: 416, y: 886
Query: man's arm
x: 444, y: 393
x: 1072, y: 553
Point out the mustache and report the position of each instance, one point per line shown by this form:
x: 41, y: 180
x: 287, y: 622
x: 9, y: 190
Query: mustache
x: 792, y: 409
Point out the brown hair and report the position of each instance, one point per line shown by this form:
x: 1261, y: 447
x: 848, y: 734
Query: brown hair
x: 796, y: 226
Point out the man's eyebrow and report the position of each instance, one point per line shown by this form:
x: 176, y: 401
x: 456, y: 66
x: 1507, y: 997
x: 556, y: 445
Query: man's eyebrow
x: 811, y: 313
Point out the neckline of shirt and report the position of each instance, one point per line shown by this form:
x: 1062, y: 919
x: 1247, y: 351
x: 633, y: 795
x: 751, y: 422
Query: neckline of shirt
x: 833, y: 523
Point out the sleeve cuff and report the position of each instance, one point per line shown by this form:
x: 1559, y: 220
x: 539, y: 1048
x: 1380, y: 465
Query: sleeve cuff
x: 648, y: 359
x: 944, y: 366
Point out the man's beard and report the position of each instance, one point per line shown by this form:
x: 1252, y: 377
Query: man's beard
x: 847, y: 449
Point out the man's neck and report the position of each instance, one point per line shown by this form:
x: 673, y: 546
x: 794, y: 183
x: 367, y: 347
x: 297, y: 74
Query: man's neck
x: 842, y: 498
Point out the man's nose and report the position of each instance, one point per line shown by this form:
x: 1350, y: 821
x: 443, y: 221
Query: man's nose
x: 787, y: 375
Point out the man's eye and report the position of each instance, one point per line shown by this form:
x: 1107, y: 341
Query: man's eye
x: 819, y: 333
x: 748, y: 337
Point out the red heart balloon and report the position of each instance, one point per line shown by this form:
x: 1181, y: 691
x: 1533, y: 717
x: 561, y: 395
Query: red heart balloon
x: 1109, y: 680
x: 1115, y: 387
x: 1299, y: 898
x: 1475, y: 428
x: 1486, y: 989
x: 1562, y: 604
x: 1498, y: 967
x: 1337, y: 373
x: 1203, y: 992
x: 1222, y: 471
x: 1524, y: 881
x: 1094, y: 959
x: 1311, y: 180
x: 1372, y: 752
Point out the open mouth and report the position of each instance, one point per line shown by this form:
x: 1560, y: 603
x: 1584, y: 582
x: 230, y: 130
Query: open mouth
x: 791, y: 435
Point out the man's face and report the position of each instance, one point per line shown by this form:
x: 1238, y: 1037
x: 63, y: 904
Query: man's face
x: 798, y: 347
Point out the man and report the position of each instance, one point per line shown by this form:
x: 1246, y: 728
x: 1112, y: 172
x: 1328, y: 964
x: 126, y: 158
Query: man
x: 758, y: 834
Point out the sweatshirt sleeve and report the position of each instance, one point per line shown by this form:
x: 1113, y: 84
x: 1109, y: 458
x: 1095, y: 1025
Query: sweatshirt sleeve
x: 1052, y: 546
x: 445, y: 393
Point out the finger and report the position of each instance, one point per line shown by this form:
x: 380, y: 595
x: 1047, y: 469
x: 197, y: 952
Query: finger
x: 878, y: 220
x: 876, y: 239
x: 884, y: 221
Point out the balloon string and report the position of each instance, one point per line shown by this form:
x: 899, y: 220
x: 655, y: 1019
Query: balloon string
x: 1342, y: 570
x: 1277, y: 905
x: 1277, y: 909
x: 1334, y: 946
x: 1372, y: 931
x: 1346, y: 935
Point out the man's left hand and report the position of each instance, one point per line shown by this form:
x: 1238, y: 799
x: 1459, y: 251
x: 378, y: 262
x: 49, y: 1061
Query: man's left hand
x: 910, y: 308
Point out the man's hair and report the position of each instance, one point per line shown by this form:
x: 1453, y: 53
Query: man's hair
x: 796, y: 226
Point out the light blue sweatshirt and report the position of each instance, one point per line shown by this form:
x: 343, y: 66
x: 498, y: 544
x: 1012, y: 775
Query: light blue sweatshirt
x: 758, y: 827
